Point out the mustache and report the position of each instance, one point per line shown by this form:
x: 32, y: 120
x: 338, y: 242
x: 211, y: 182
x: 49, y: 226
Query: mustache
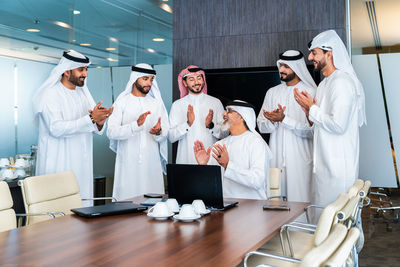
x: 282, y: 73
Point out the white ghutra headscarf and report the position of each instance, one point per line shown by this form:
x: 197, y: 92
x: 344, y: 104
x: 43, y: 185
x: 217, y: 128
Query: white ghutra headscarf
x: 69, y: 61
x: 140, y: 70
x: 329, y: 40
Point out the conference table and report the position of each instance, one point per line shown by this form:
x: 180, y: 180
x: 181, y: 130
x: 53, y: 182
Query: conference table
x: 221, y: 238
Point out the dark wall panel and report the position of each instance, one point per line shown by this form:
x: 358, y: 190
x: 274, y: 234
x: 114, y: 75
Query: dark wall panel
x: 247, y: 33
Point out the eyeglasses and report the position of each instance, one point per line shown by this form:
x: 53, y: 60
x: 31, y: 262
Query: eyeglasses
x: 229, y: 111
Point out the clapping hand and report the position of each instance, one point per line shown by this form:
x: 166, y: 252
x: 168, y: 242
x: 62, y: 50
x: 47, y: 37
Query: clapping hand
x: 202, y: 156
x: 220, y: 154
x: 157, y: 128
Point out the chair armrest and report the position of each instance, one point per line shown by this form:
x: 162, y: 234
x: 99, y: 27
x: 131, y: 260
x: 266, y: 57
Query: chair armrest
x: 311, y: 207
x: 285, y: 229
x: 378, y: 194
x: 269, y: 255
x: 388, y: 208
x: 309, y: 225
x: 101, y: 198
x: 51, y: 214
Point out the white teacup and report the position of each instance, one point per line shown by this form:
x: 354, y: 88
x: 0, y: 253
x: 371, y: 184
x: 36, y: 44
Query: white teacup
x: 7, y: 174
x: 173, y: 205
x: 199, y: 206
x: 20, y: 173
x: 187, y: 211
x: 4, y: 162
x: 20, y: 163
x: 160, y: 209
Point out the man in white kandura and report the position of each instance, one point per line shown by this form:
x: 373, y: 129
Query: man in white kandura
x: 337, y: 112
x: 138, y: 130
x: 290, y: 133
x: 196, y: 116
x: 68, y: 117
x: 244, y: 156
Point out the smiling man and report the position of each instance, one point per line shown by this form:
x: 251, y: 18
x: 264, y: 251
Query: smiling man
x: 138, y: 130
x: 290, y: 133
x: 195, y: 116
x: 68, y: 117
x: 243, y: 156
x: 337, y: 112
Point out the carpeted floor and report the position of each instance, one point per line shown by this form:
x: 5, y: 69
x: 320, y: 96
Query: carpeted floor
x: 382, y: 236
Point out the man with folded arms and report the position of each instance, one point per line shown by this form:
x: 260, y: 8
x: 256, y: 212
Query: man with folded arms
x: 244, y: 156
x: 195, y: 115
x: 290, y: 133
x: 68, y: 117
x: 336, y: 113
x: 138, y: 130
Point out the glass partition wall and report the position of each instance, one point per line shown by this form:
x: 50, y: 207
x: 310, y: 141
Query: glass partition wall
x: 114, y: 34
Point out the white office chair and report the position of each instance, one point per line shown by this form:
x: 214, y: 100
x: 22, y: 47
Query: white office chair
x: 8, y: 219
x: 275, y: 180
x: 56, y: 193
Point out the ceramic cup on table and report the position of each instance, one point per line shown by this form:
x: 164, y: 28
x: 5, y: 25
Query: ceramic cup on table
x: 172, y: 204
x: 4, y: 162
x: 7, y: 174
x: 20, y: 163
x: 187, y: 211
x: 160, y: 209
x: 199, y: 206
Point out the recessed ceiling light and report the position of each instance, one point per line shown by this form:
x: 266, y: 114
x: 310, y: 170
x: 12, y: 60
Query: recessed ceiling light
x: 165, y: 0
x: 85, y: 44
x: 98, y: 67
x: 110, y: 48
x: 150, y: 50
x: 62, y: 24
x: 73, y: 41
x: 32, y: 30
x: 77, y: 12
x: 165, y: 7
x: 113, y: 39
x: 112, y: 59
x: 158, y: 39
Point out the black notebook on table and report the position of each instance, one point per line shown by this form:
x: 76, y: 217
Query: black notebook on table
x: 114, y: 208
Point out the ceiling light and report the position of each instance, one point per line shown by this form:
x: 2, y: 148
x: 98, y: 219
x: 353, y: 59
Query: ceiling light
x: 62, y: 24
x: 73, y: 41
x: 85, y: 44
x: 165, y: 0
x: 165, y: 7
x: 98, y: 67
x: 158, y: 39
x: 150, y: 50
x: 113, y: 39
x: 32, y: 30
x: 110, y: 48
x: 112, y: 59
x: 77, y: 12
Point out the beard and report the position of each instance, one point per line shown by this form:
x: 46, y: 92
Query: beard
x: 226, y: 125
x: 142, y: 88
x: 196, y: 91
x: 320, y: 65
x: 75, y: 80
x: 288, y: 77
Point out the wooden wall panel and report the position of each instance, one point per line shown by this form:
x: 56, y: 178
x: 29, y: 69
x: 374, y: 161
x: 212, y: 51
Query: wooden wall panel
x: 247, y: 33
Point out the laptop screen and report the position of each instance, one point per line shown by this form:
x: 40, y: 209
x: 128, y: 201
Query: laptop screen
x: 189, y: 182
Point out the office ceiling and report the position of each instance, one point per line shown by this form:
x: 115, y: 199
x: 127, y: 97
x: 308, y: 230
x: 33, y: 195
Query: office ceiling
x: 379, y: 26
x: 120, y: 32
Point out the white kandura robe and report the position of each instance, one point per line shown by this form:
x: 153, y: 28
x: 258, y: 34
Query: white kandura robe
x: 247, y: 172
x: 336, y: 137
x: 187, y: 135
x: 138, y: 167
x: 290, y: 140
x: 66, y: 136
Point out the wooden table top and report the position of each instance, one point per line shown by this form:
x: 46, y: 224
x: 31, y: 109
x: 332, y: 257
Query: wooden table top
x: 221, y: 238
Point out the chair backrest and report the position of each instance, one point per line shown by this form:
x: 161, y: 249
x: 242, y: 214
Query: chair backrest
x: 275, y: 176
x: 8, y: 219
x: 355, y: 188
x: 349, y: 211
x: 316, y: 256
x: 57, y: 192
x: 327, y: 218
x: 342, y: 253
x: 365, y: 190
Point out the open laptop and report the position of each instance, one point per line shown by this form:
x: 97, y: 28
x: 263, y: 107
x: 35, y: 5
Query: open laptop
x: 113, y: 208
x: 189, y: 182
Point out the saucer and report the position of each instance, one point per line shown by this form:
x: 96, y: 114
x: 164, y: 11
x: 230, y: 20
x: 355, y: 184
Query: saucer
x: 187, y: 219
x: 160, y: 218
x: 205, y: 213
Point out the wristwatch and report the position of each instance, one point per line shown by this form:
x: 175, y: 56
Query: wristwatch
x: 210, y: 126
x: 91, y: 118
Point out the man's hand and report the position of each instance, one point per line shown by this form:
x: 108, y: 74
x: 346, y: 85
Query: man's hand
x: 209, y: 118
x: 157, y: 128
x: 142, y: 118
x: 100, y: 114
x: 190, y: 115
x: 304, y: 99
x: 220, y: 154
x: 276, y: 115
x: 202, y: 156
